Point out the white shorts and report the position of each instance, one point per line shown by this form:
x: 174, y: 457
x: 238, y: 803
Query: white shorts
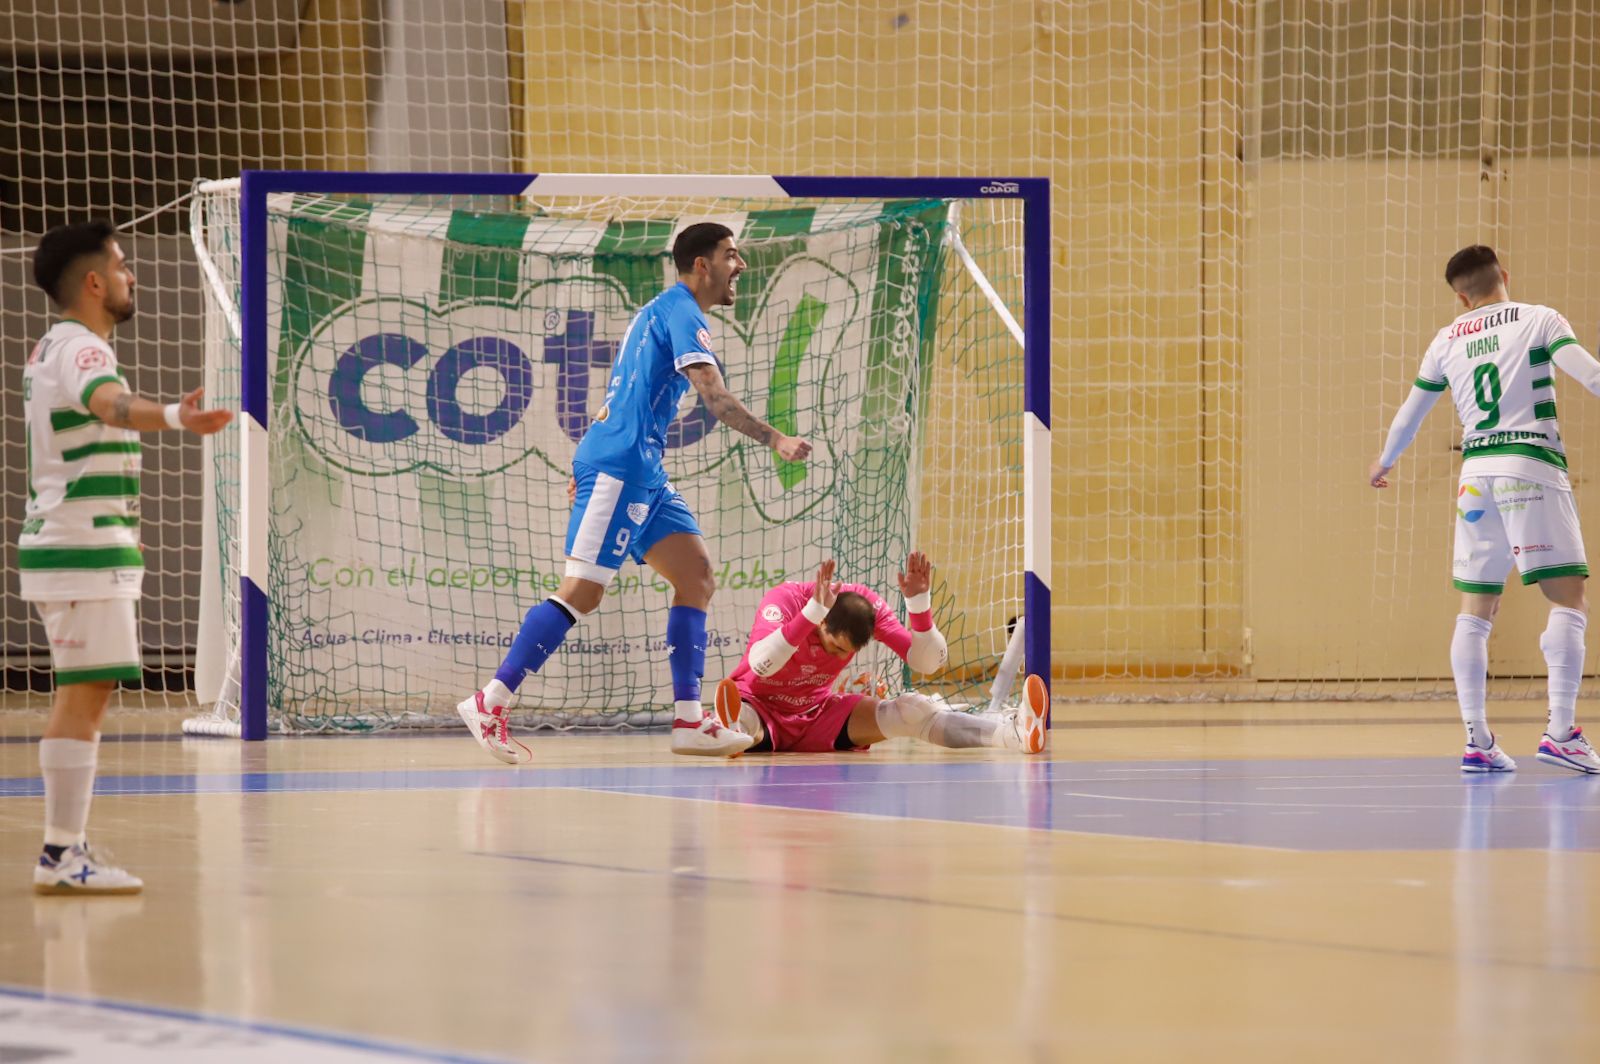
x: 92, y: 639
x: 1501, y: 520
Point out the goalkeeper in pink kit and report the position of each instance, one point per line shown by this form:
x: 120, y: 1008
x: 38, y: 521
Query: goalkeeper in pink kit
x: 805, y: 635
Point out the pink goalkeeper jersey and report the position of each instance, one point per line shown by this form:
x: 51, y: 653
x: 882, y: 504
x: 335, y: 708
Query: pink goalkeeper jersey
x: 807, y: 677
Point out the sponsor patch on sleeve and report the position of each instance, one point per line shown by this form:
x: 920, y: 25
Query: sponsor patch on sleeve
x: 93, y: 358
x: 703, y: 338
x: 771, y: 613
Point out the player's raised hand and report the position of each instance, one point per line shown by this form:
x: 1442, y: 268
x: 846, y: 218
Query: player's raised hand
x: 792, y: 448
x: 825, y: 591
x: 1378, y: 474
x: 198, y: 421
x: 918, y: 576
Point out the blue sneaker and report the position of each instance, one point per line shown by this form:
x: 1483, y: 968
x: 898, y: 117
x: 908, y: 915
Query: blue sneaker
x: 1494, y: 759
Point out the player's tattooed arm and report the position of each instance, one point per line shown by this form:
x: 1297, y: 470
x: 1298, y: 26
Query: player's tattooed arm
x: 115, y: 405
x: 726, y: 408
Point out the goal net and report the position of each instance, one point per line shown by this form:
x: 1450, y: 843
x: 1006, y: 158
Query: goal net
x: 431, y: 361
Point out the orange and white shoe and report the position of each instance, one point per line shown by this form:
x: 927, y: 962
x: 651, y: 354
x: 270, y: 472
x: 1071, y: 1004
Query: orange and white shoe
x: 1032, y: 721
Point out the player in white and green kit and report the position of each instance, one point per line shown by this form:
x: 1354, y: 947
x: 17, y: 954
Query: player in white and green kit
x: 78, y: 555
x: 1514, y: 502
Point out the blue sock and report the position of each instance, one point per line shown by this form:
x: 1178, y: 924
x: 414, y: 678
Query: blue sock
x: 543, y: 629
x: 686, y: 651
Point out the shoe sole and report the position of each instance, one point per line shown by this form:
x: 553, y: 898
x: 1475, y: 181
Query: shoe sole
x: 57, y: 889
x: 1484, y: 770
x: 468, y: 712
x: 1570, y: 766
x: 1036, y: 700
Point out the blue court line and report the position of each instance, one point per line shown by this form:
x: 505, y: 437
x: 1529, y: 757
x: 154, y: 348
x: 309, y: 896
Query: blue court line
x: 251, y: 1026
x: 1361, y: 805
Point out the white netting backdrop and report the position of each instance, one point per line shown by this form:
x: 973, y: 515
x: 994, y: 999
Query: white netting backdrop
x: 1253, y: 203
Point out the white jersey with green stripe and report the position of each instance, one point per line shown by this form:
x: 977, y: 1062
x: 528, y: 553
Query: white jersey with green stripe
x: 1496, y: 361
x: 80, y: 534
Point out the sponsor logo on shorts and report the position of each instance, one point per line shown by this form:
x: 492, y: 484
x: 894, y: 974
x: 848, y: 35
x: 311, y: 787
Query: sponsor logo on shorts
x: 1516, y: 495
x: 1533, y: 548
x: 69, y: 644
x: 638, y: 511
x: 1470, y: 516
x: 772, y: 613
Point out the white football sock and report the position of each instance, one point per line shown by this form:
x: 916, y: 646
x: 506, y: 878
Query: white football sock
x: 67, y: 766
x: 1562, y: 643
x: 496, y: 693
x: 914, y: 715
x: 1469, y: 664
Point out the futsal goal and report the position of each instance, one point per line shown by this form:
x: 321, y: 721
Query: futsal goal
x: 415, y: 357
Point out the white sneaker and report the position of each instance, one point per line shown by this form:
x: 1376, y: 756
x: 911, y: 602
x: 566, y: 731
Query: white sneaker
x: 1029, y: 727
x: 83, y: 871
x: 488, y: 725
x: 1574, y: 753
x: 1494, y: 759
x: 709, y: 738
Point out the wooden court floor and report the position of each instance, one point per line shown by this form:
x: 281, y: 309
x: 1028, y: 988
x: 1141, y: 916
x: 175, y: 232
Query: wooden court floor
x: 1232, y: 882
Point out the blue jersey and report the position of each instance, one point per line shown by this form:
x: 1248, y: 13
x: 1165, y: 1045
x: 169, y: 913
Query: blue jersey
x: 629, y: 433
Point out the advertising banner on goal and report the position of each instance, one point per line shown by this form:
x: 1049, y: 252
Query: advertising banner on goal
x: 434, y: 370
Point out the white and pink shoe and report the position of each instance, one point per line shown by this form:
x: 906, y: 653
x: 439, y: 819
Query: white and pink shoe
x: 1573, y: 753
x: 1494, y: 759
x: 487, y: 723
x: 709, y: 738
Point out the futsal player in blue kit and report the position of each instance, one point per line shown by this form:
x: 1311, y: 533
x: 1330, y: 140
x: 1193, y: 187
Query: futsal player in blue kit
x: 626, y: 508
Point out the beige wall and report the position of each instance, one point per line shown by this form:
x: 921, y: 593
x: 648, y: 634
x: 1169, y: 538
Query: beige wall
x: 1115, y: 102
x: 1344, y: 581
x: 1252, y: 203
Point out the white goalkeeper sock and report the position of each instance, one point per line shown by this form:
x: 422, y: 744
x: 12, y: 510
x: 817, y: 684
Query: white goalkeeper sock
x: 1562, y: 643
x: 914, y: 715
x: 1469, y: 664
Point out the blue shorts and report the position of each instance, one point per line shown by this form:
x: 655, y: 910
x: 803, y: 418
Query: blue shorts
x: 613, y: 521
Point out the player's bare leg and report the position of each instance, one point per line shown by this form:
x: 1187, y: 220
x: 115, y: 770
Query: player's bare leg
x: 682, y: 561
x: 68, y: 754
x: 1563, y: 744
x: 919, y: 717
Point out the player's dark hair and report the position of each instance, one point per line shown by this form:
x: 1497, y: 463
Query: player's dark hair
x: 853, y: 617
x: 697, y: 241
x: 61, y: 248
x: 1473, y: 271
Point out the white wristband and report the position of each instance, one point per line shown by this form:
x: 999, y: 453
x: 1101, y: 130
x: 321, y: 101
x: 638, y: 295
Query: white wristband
x: 170, y: 412
x: 814, y: 611
x: 920, y: 603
